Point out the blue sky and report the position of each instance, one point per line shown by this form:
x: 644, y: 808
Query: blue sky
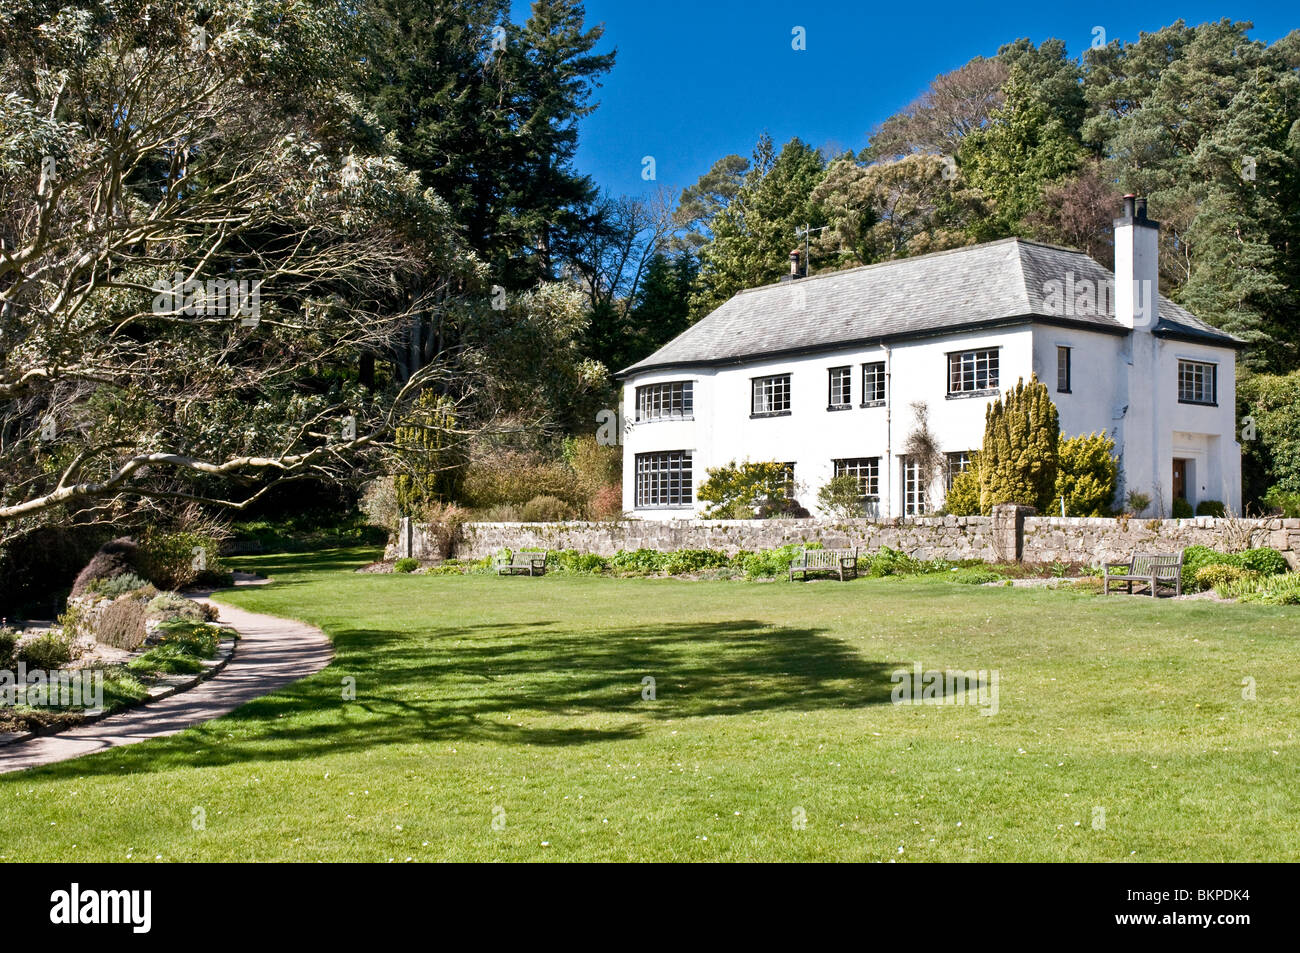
x: 695, y: 81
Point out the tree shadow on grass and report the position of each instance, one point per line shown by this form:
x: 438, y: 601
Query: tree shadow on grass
x: 523, y: 685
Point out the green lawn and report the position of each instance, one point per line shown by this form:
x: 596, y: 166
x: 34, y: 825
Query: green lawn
x: 521, y: 700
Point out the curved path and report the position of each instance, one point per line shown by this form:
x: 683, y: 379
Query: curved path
x: 271, y: 653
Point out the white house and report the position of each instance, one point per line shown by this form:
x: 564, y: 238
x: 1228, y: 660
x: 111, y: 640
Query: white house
x: 822, y: 373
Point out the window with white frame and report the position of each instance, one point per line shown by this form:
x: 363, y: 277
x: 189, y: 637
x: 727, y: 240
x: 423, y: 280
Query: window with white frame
x: 973, y: 372
x: 958, y: 462
x: 865, y: 469
x: 664, y: 479
x: 914, y: 496
x: 873, y: 384
x: 771, y: 395
x: 1198, y: 382
x: 1063, y: 370
x: 840, y: 387
x: 671, y: 399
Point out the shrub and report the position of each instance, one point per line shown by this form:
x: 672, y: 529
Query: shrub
x: 173, y: 560
x: 406, y: 564
x: 1281, y: 590
x: 121, y: 624
x: 50, y: 651
x: 685, y: 561
x: 117, y: 557
x: 638, y: 561
x: 546, y: 509
x: 575, y: 562
x: 963, y: 497
x: 975, y: 575
x: 119, y: 585
x: 168, y: 606
x: 1019, y: 459
x: 892, y: 562
x: 607, y: 502
x: 1210, y: 508
x: 8, y: 640
x: 1216, y: 574
x: 1267, y: 562
x: 379, y: 504
x: 1087, y: 474
x: 1181, y: 509
x: 768, y: 562
x: 1284, y: 503
x: 197, y: 638
x: 1196, y: 558
x: 514, y: 478
x: 430, y: 455
x: 739, y: 490
x: 841, y: 497
x: 166, y: 659
x: 1137, y: 502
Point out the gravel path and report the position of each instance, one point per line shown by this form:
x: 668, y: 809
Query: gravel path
x: 271, y: 653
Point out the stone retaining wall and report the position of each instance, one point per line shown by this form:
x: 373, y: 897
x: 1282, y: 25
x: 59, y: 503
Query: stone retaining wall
x: 1011, y: 533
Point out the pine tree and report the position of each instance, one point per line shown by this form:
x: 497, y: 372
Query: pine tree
x: 1018, y: 462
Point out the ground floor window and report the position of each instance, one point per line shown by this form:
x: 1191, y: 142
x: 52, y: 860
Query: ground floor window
x: 664, y: 479
x: 867, y: 471
x: 958, y: 462
x: 914, y: 501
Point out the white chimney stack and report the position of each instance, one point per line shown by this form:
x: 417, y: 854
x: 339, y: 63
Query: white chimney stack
x: 1137, y: 266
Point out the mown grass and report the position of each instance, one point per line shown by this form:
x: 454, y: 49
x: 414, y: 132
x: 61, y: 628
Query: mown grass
x: 521, y: 700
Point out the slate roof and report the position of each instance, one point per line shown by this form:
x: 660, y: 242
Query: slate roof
x: 995, y: 283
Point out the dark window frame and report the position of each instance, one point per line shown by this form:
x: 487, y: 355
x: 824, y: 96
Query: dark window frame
x: 844, y: 376
x: 754, y: 383
x: 667, y: 476
x: 992, y: 372
x: 878, y: 383
x: 652, y: 397
x: 867, y: 471
x: 1190, y: 363
x: 1068, y: 353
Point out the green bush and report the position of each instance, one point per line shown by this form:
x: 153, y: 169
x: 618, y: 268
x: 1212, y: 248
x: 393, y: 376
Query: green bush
x: 577, y: 563
x: 1281, y: 590
x: 167, y: 606
x: 1019, y: 458
x: 768, y: 562
x: 197, y: 638
x: 1265, y: 561
x: 739, y: 490
x: 1217, y: 574
x: 686, y: 561
x: 180, y: 559
x: 638, y: 561
x: 841, y: 497
x: 166, y: 659
x: 1283, y: 502
x: 1196, y: 558
x: 1210, y: 508
x: 8, y: 639
x: 1181, y: 509
x: 1087, y: 474
x: 892, y: 562
x: 406, y: 564
x: 119, y: 585
x: 963, y: 497
x: 50, y: 651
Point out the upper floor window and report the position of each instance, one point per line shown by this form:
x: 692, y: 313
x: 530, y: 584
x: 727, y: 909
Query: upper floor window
x: 867, y: 471
x: 771, y: 396
x: 674, y: 399
x: 873, y: 384
x: 1063, y: 370
x: 1198, y: 382
x: 840, y: 388
x: 973, y: 372
x: 664, y: 479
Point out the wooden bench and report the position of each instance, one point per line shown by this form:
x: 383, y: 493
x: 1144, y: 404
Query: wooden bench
x: 522, y: 562
x: 1151, y: 568
x: 839, y: 561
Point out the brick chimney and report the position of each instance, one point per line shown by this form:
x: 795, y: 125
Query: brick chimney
x: 1137, y: 266
x: 794, y: 264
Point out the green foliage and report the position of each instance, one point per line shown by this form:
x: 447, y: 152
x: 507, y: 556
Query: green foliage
x: 1283, y: 502
x: 430, y: 456
x: 1264, y: 561
x: 686, y: 561
x: 406, y: 564
x: 640, y: 562
x: 573, y: 562
x: 197, y: 638
x: 170, y: 606
x: 769, y: 562
x: 740, y: 490
x: 52, y: 650
x: 119, y: 585
x: 1217, y: 574
x: 1087, y: 474
x: 8, y: 640
x: 1213, y: 508
x: 963, y: 497
x: 512, y: 478
x: 841, y: 497
x: 1019, y: 463
x: 1136, y: 501
x: 174, y: 560
x: 166, y: 660
x: 1270, y: 455
x: 976, y: 575
x: 1181, y: 509
x: 1281, y: 590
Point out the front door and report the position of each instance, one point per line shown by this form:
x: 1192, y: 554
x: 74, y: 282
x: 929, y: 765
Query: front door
x: 1180, y: 479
